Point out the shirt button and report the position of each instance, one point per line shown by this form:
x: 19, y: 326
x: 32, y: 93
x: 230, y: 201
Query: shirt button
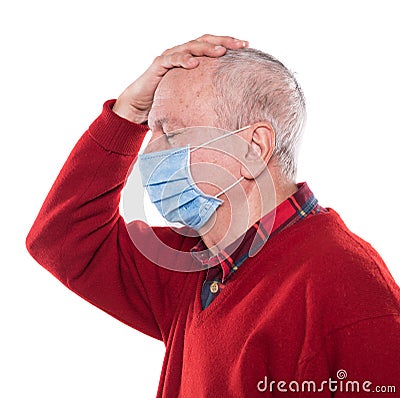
x: 214, y: 287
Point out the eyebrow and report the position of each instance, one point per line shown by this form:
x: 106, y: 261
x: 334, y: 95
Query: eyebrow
x: 168, y: 121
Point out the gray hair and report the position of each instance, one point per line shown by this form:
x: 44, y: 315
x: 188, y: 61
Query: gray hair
x: 252, y: 86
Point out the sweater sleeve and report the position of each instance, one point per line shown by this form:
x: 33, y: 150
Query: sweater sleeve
x: 80, y: 237
x: 368, y: 354
x: 356, y: 360
x: 358, y: 310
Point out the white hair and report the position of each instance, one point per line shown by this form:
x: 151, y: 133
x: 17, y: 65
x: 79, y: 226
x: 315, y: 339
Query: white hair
x: 252, y: 86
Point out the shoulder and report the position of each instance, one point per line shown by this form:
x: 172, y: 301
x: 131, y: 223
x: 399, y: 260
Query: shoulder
x: 344, y: 275
x: 327, y: 240
x: 342, y: 254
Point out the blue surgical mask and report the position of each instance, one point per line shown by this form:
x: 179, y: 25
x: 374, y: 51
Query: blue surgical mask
x: 169, y: 183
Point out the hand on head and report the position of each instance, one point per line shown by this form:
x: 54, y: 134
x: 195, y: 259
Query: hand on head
x: 135, y: 102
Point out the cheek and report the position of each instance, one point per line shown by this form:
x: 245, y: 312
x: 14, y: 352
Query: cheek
x: 213, y: 171
x: 158, y: 142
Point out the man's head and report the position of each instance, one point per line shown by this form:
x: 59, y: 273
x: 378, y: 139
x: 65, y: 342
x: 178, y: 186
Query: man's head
x: 251, y: 87
x: 243, y: 87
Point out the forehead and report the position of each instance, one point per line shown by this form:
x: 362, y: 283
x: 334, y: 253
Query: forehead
x: 184, y: 98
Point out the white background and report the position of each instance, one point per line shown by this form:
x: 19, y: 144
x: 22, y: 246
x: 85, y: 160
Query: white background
x: 61, y: 61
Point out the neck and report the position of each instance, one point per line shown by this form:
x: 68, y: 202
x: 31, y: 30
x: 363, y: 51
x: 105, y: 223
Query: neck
x: 237, y: 214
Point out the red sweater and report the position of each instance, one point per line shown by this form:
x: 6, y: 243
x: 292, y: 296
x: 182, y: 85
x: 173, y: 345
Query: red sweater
x: 315, y: 300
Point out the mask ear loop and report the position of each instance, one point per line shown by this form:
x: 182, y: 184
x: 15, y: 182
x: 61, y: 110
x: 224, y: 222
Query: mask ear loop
x: 230, y: 187
x: 218, y: 138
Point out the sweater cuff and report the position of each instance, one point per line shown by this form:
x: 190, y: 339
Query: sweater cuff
x: 117, y: 134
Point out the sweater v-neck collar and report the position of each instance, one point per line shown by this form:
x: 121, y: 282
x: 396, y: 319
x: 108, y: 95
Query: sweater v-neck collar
x: 200, y: 314
x: 298, y: 206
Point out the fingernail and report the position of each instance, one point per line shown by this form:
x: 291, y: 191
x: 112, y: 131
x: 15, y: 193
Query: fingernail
x: 242, y: 43
x: 218, y: 48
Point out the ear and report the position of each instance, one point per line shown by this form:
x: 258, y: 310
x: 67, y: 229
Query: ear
x: 260, y: 150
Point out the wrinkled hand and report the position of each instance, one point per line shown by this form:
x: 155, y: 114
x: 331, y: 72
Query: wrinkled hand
x: 135, y: 102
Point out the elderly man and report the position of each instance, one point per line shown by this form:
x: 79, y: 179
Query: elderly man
x: 261, y: 290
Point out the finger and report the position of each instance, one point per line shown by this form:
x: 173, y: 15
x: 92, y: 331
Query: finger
x: 198, y: 49
x: 225, y: 41
x: 204, y: 48
x: 165, y: 62
x: 194, y: 47
x: 209, y: 45
x: 180, y: 59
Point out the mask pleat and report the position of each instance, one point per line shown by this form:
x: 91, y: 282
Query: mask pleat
x: 160, y: 192
x: 167, y: 166
x: 178, y: 201
x: 168, y: 181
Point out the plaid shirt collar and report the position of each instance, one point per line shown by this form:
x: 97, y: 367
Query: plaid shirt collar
x: 296, y: 207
